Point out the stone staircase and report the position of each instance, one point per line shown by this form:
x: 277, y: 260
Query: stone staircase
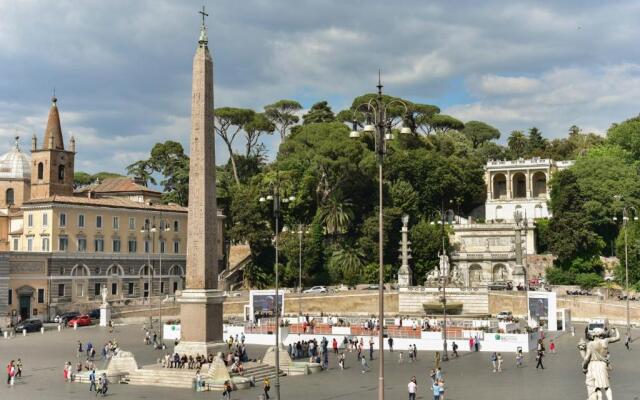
x: 164, y: 377
x: 258, y: 371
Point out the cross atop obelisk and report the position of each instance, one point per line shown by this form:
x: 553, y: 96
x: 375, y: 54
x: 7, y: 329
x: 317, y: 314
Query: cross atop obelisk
x: 203, y: 29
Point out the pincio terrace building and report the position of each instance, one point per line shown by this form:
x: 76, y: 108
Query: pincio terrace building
x: 60, y: 245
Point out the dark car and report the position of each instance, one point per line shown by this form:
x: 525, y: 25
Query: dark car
x: 65, y: 317
x: 31, y: 325
x: 95, y: 314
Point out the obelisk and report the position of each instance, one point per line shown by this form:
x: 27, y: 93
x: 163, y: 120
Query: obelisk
x: 201, y: 302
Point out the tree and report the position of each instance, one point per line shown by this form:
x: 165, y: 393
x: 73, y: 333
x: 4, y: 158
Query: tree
x: 444, y: 123
x: 172, y: 163
x: 349, y: 262
x: 142, y: 170
x: 536, y: 144
x: 229, y: 122
x: 626, y: 135
x: 633, y: 252
x: 319, y: 112
x: 282, y: 114
x: 426, y: 243
x: 336, y: 214
x: 517, y: 144
x: 420, y: 118
x: 479, y: 132
x: 259, y: 124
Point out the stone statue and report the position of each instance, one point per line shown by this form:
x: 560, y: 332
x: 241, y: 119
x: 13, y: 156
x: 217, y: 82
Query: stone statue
x: 432, y: 277
x: 104, y: 293
x: 595, y: 364
x: 456, y: 276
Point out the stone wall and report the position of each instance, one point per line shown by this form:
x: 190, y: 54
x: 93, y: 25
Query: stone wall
x: 474, y: 301
x: 537, y: 264
x: 363, y: 303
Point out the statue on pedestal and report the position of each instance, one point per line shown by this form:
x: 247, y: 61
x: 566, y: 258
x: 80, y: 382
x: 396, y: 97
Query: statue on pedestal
x: 104, y: 293
x: 595, y: 364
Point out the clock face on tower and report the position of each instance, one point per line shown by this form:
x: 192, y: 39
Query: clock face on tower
x: 61, y: 158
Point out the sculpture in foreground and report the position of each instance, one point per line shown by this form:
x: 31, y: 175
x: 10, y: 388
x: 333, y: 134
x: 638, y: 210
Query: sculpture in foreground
x: 595, y: 363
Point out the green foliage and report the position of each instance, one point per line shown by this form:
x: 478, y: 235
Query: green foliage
x: 319, y: 112
x: 558, y: 276
x: 479, y: 132
x: 82, y: 178
x: 588, y: 280
x: 426, y: 244
x: 229, y: 121
x: 543, y: 241
x: 347, y: 262
x: 258, y: 125
x: 633, y: 254
x: 371, y: 273
x: 626, y: 135
x: 518, y: 143
x: 536, y: 144
x: 282, y: 114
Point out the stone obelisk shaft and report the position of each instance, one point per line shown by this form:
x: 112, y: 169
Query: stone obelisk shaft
x: 202, y: 260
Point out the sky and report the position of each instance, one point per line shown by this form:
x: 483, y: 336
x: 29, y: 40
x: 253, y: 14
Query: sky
x: 122, y: 69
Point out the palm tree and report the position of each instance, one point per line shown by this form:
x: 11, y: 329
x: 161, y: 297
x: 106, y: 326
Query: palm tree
x: 349, y: 261
x: 336, y: 215
x: 517, y: 143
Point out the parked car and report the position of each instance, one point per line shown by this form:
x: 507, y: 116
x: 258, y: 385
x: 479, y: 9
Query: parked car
x: 95, y: 313
x: 505, y: 315
x: 316, y: 289
x: 31, y: 325
x: 65, y: 317
x: 501, y: 286
x: 82, y: 320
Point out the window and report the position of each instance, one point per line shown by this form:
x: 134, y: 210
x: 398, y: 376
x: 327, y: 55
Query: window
x: 99, y: 245
x: 132, y: 223
x: 146, y: 289
x: 10, y: 196
x: 162, y: 246
x: 29, y: 220
x: 82, y: 245
x: 10, y: 298
x: 63, y: 220
x: 45, y: 244
x: 16, y: 244
x: 29, y: 244
x: 61, y: 290
x: 81, y: 221
x: 130, y: 288
x: 99, y: 221
x: 147, y: 224
x: 40, y: 296
x: 161, y: 287
x: 63, y: 244
x: 40, y: 171
x: 147, y: 246
x: 116, y: 223
x: 61, y: 173
x: 96, y: 289
x: 175, y: 286
x: 161, y: 225
x: 114, y: 289
x: 176, y: 226
x: 116, y: 245
x: 45, y: 219
x: 176, y: 246
x: 133, y: 246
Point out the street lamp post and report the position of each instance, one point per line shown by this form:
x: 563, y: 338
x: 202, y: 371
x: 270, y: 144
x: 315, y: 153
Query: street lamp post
x: 150, y: 231
x: 379, y: 123
x: 625, y: 219
x: 275, y: 197
x: 300, y: 233
x: 444, y: 276
x: 164, y: 227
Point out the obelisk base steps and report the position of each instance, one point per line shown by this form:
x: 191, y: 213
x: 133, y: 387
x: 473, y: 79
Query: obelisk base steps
x: 200, y: 322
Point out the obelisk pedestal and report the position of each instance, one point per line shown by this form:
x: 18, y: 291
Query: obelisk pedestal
x: 201, y: 302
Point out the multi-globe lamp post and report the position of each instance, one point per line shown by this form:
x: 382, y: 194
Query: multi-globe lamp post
x: 379, y: 123
x: 150, y: 231
x: 625, y: 219
x: 274, y: 196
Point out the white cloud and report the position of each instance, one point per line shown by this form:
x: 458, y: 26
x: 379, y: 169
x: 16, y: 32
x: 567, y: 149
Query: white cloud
x: 504, y: 85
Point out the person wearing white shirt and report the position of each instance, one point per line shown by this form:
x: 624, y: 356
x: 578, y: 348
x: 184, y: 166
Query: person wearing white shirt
x: 412, y: 387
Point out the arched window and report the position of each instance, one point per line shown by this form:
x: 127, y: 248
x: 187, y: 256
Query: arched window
x: 10, y: 196
x: 40, y: 171
x: 61, y: 172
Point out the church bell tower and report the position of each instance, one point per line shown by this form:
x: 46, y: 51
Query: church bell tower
x: 51, y: 165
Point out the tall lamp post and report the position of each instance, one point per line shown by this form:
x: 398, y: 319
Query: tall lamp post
x: 274, y: 196
x: 379, y: 121
x: 150, y: 231
x: 164, y: 227
x: 625, y: 219
x: 301, y: 231
x: 444, y: 275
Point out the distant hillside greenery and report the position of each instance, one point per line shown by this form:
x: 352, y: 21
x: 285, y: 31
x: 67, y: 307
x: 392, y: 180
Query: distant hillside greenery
x: 440, y: 164
x: 82, y: 178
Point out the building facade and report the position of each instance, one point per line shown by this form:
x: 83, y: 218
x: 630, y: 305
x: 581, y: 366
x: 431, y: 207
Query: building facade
x: 59, y: 245
x: 519, y: 186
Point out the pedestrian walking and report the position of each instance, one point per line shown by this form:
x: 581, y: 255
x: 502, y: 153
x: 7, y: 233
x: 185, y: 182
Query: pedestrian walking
x: 110, y: 326
x: 494, y: 361
x: 441, y: 388
x: 552, y: 347
x: 438, y: 374
x: 470, y: 344
x: 390, y: 342
x: 412, y: 387
x: 499, y: 362
x: 415, y: 352
x: 9, y: 367
x: 539, y: 357
x: 476, y: 343
x: 104, y: 383
x: 436, y: 390
x: 454, y: 347
x: 400, y: 358
x: 92, y: 381
x: 432, y: 375
x: 267, y: 387
x: 363, y: 363
x: 573, y: 330
x: 19, y: 368
x: 519, y: 358
x: 627, y: 341
x: 341, y: 358
x: 436, y: 360
x: 371, y: 348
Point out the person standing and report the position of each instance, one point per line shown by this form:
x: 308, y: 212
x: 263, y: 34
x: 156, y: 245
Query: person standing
x: 436, y: 390
x: 104, y: 383
x: 92, y: 381
x: 436, y: 360
x: 552, y: 347
x: 470, y: 344
x: 519, y: 358
x: 454, y: 346
x: 267, y: 387
x: 19, y: 368
x: 363, y: 363
x: 627, y: 341
x: 412, y: 387
x: 441, y: 388
x: 476, y: 343
x: 334, y: 344
x: 494, y: 361
x: 9, y: 366
x: 500, y: 362
x: 390, y: 341
x: 370, y: 348
x: 539, y: 357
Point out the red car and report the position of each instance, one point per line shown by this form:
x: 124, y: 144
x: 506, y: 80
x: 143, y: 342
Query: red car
x: 82, y: 320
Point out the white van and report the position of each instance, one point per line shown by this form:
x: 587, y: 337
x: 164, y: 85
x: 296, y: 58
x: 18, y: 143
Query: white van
x: 596, y: 323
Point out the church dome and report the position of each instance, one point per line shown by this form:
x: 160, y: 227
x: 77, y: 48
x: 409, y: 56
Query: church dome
x: 15, y: 164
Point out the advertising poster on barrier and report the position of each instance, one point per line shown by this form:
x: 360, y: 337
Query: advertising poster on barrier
x: 263, y: 304
x: 542, y: 310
